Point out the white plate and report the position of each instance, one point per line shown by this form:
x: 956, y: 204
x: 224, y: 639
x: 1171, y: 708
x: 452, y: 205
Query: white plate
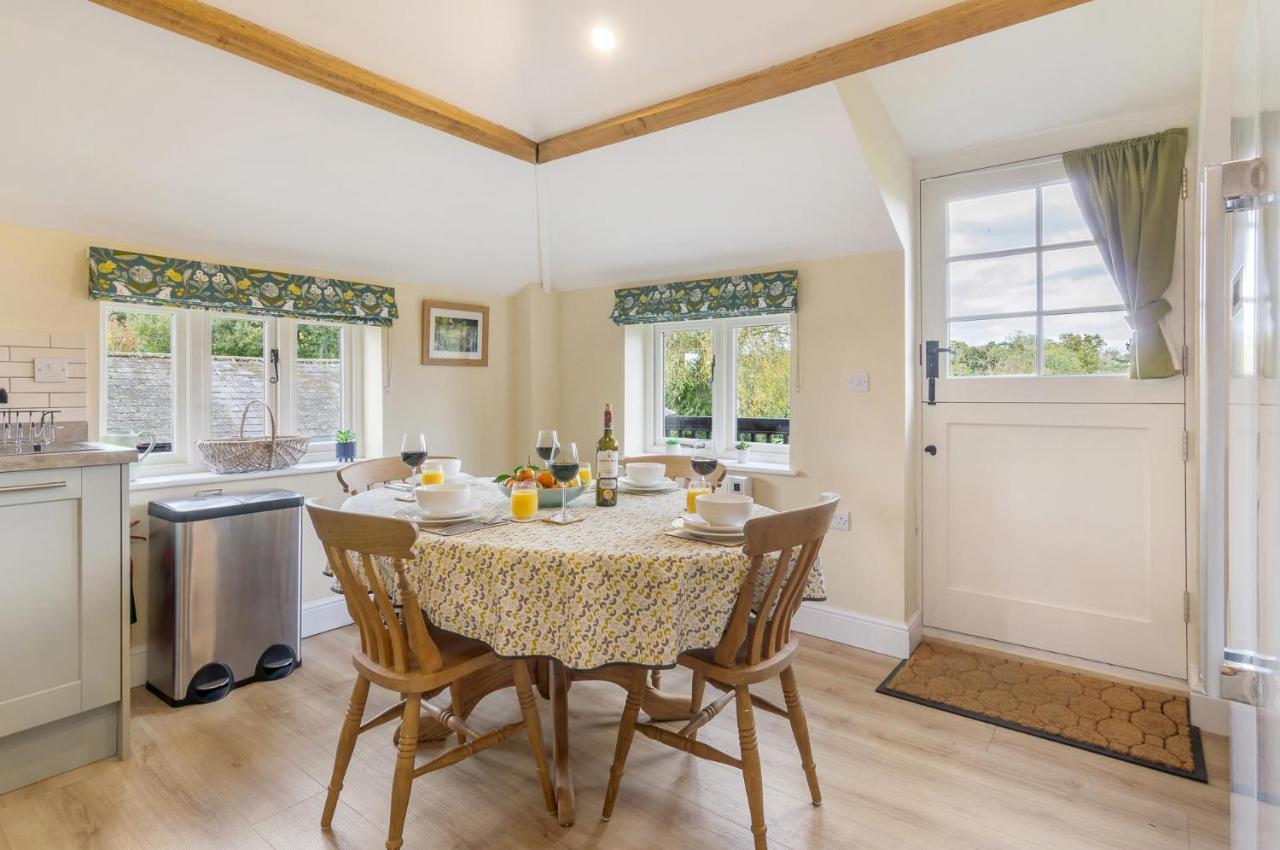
x: 680, y: 525
x: 696, y: 523
x: 462, y: 478
x: 419, y: 515
x: 663, y: 484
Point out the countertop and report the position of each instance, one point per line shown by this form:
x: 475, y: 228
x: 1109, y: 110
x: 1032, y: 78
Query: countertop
x: 94, y: 454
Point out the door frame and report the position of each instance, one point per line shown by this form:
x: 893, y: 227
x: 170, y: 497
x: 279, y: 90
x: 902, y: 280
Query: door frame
x: 1038, y: 146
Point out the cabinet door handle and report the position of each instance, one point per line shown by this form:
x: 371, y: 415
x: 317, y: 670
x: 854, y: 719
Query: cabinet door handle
x: 43, y: 485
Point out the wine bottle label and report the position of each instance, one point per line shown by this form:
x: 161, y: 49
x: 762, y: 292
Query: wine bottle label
x: 607, y: 464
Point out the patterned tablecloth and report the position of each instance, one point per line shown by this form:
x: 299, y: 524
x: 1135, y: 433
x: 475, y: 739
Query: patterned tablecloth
x: 613, y: 588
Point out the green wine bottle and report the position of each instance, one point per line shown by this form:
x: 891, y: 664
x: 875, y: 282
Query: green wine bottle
x: 607, y: 464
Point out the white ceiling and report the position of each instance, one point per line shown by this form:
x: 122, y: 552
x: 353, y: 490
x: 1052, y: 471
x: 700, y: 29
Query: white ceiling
x: 127, y: 133
x: 1095, y: 61
x: 136, y: 136
x: 528, y: 64
x: 771, y: 183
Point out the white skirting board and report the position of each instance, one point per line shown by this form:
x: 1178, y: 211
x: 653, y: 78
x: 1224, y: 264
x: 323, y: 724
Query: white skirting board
x: 887, y: 637
x: 321, y: 615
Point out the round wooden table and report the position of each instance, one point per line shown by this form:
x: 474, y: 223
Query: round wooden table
x: 588, y: 601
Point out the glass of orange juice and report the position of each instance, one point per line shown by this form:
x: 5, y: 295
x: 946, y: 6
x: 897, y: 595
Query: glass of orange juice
x: 524, y: 501
x: 691, y: 497
x: 432, y: 475
x: 584, y: 474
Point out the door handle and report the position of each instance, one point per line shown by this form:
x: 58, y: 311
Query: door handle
x: 931, y: 352
x: 43, y: 485
x: 931, y: 450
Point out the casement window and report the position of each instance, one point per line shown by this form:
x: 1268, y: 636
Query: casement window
x: 1027, y: 293
x: 724, y: 380
x: 187, y: 375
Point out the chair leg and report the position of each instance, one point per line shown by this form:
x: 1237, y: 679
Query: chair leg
x: 695, y: 699
x: 626, y: 731
x: 455, y: 703
x: 655, y: 678
x: 346, y: 746
x: 751, y: 773
x: 800, y: 729
x: 403, y: 782
x: 533, y: 729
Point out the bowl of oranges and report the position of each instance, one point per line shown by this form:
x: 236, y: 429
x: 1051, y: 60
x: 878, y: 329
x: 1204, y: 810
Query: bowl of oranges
x: 548, y: 487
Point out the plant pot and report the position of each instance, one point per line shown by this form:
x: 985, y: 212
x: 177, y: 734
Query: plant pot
x: 743, y: 455
x: 346, y: 452
x: 675, y: 450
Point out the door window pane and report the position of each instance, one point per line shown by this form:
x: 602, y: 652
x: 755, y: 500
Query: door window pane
x: 1075, y: 278
x: 993, y: 347
x: 762, y: 380
x: 686, y: 384
x: 996, y: 285
x: 140, y: 375
x: 237, y: 375
x: 1086, y: 344
x: 318, y: 382
x: 992, y: 223
x: 1062, y: 221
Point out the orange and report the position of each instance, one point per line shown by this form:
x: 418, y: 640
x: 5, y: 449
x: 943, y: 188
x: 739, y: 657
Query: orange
x: 546, y: 480
x: 525, y: 474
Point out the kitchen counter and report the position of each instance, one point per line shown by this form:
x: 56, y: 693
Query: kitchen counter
x: 60, y: 457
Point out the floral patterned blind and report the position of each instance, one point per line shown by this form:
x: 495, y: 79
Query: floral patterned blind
x: 171, y: 282
x: 712, y: 298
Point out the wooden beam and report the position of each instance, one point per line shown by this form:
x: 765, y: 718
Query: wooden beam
x: 900, y: 41
x: 233, y: 34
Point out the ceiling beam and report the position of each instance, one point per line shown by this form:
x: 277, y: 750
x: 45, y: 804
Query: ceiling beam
x: 900, y: 41
x: 233, y: 34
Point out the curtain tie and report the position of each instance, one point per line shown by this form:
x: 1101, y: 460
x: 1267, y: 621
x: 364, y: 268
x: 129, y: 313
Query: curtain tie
x: 1148, y: 314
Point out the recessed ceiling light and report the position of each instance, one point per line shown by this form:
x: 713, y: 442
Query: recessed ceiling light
x: 602, y: 38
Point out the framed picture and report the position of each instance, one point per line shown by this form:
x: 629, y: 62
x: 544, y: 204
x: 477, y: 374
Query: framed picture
x: 454, y: 334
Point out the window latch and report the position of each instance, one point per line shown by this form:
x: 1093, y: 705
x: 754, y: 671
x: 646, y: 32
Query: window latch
x: 931, y: 352
x: 275, y: 365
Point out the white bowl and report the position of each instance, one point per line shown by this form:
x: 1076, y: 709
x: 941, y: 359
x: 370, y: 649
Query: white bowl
x: 442, y: 498
x: 724, y: 509
x: 450, y: 466
x: 646, y: 473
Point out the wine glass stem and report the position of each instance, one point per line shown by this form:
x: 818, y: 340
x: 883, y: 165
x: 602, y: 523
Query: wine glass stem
x: 563, y: 515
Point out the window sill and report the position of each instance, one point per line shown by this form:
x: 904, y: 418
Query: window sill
x: 756, y: 467
x: 161, y: 482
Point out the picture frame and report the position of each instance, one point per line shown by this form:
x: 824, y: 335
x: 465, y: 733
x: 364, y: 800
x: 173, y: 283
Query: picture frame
x: 454, y: 334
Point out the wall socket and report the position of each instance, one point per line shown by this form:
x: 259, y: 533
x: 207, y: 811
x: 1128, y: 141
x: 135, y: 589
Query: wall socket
x: 840, y: 522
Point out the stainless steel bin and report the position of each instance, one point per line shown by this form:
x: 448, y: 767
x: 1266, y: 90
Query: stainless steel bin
x: 224, y: 593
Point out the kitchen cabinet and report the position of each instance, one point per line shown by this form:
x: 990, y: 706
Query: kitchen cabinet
x: 63, y: 619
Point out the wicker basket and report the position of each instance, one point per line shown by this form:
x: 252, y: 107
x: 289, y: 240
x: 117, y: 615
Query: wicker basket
x: 253, y: 454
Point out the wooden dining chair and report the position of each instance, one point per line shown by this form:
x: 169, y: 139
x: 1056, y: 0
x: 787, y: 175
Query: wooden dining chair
x: 678, y: 466
x: 400, y: 650
x: 366, y: 474
x: 753, y: 648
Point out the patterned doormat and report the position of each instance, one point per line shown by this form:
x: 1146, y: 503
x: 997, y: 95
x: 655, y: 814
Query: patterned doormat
x: 1134, y: 723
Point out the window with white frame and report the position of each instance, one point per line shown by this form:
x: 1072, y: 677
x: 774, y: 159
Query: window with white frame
x: 1027, y: 293
x: 725, y: 380
x: 187, y: 375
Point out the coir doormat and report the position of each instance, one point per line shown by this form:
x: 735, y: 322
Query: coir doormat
x: 1138, y: 724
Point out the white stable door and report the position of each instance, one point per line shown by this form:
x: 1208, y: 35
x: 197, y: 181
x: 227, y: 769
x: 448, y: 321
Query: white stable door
x: 1053, y: 500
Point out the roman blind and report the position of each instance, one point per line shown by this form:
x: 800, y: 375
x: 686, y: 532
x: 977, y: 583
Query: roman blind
x: 711, y: 298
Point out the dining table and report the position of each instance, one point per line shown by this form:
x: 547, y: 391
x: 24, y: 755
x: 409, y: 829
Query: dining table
x: 588, y: 601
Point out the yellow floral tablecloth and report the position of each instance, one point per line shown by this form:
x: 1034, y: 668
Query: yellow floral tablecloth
x: 614, y: 588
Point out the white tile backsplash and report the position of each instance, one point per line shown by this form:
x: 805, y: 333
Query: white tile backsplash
x: 18, y: 352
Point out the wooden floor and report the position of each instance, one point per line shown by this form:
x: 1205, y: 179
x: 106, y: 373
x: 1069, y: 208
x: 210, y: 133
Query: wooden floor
x: 249, y: 772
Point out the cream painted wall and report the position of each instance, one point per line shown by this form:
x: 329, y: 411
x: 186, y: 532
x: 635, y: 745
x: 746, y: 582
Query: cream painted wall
x: 851, y: 318
x: 463, y: 410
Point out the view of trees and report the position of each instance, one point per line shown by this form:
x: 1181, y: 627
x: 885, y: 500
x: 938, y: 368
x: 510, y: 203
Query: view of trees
x: 763, y: 371
x: 139, y: 333
x: 151, y: 333
x: 686, y: 372
x: 1069, y: 354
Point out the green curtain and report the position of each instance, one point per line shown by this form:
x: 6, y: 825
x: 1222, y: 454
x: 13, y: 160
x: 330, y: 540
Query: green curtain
x: 710, y: 298
x: 135, y: 278
x: 1129, y: 193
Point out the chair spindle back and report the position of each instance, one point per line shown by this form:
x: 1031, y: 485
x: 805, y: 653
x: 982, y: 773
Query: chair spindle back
x: 351, y: 543
x: 679, y: 466
x: 367, y: 474
x: 795, y: 538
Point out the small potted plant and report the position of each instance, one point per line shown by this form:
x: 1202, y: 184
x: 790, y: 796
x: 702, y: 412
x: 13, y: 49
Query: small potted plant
x: 346, y: 446
x: 673, y: 446
x: 743, y: 450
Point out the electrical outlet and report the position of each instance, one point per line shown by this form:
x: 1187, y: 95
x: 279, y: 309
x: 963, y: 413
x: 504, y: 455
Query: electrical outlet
x: 840, y: 522
x: 51, y: 370
x: 859, y: 382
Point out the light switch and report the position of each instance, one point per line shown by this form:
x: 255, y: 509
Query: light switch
x: 859, y: 382
x: 51, y: 370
